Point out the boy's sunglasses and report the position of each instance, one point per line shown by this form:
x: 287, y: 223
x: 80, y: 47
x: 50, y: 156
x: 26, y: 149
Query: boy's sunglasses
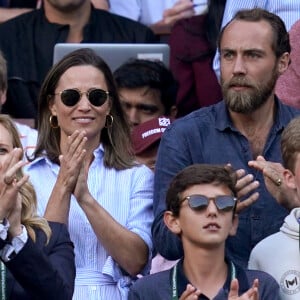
x: 71, y: 97
x: 200, y: 202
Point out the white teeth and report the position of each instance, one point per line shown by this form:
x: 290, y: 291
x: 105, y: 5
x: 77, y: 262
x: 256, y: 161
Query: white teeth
x: 212, y: 227
x: 83, y: 120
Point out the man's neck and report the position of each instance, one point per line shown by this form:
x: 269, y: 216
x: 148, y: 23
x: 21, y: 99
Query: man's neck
x: 261, y: 119
x: 76, y: 19
x: 206, y: 269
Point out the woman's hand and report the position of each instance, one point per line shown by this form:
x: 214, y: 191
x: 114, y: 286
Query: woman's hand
x: 71, y: 160
x: 9, y: 184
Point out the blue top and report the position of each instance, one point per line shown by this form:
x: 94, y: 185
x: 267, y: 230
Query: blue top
x: 209, y: 136
x: 146, y: 287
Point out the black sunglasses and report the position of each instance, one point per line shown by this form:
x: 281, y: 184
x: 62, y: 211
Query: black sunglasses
x: 71, y: 97
x: 200, y: 202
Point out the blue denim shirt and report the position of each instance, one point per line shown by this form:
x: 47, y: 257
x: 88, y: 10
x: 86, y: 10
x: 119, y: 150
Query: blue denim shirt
x: 209, y: 136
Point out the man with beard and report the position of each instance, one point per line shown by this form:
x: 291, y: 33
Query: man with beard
x: 27, y: 43
x: 254, y: 50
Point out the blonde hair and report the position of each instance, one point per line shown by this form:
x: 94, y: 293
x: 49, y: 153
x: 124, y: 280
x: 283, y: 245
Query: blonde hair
x: 29, y: 217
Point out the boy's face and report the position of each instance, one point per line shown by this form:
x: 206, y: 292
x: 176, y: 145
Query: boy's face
x: 206, y: 228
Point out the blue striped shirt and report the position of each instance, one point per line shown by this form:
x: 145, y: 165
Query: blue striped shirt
x: 127, y: 195
x: 287, y: 10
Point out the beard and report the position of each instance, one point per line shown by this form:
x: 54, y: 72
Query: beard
x: 250, y: 100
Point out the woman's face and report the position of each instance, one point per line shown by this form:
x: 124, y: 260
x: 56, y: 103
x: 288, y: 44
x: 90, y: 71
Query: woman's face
x: 6, y: 143
x: 83, y: 115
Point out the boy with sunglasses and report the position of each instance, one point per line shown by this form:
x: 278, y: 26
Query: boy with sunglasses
x: 201, y: 207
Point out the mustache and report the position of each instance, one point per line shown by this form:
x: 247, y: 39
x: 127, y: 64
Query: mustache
x: 240, y: 81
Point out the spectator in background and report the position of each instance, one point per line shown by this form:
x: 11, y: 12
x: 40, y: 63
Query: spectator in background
x: 37, y: 257
x: 287, y: 10
x: 193, y: 43
x: 161, y: 15
x: 287, y: 86
x: 284, y: 263
x: 201, y: 202
x: 85, y: 175
x: 10, y: 9
x: 27, y: 43
x: 28, y: 135
x: 147, y: 89
x: 146, y: 137
x: 248, y: 122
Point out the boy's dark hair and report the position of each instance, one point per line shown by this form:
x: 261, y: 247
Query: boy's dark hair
x: 198, y: 174
x: 281, y: 41
x: 137, y: 73
x: 290, y: 144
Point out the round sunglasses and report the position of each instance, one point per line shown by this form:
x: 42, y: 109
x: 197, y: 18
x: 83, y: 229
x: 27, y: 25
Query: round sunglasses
x: 71, y: 97
x: 222, y: 202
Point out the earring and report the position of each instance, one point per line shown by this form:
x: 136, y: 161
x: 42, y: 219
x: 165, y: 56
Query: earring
x: 109, y: 121
x: 53, y: 123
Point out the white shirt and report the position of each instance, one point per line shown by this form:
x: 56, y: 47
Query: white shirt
x: 127, y: 195
x: 147, y: 11
x: 287, y: 10
x: 28, y: 137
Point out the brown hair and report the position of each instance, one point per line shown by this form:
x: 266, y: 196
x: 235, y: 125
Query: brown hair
x: 290, y: 144
x: 281, y: 41
x: 198, y: 174
x: 115, y: 138
x: 3, y: 73
x: 29, y: 217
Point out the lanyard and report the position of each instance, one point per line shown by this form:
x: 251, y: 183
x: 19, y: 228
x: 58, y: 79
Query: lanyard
x: 3, y: 281
x: 174, y: 281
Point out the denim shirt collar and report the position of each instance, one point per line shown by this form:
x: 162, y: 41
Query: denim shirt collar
x: 223, y: 119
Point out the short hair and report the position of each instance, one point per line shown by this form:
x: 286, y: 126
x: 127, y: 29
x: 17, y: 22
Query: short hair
x: 3, y: 73
x: 281, y: 41
x: 137, y: 73
x: 290, y: 143
x: 115, y: 138
x: 198, y: 174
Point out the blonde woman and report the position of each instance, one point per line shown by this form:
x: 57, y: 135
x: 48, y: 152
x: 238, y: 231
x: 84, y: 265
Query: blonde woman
x: 37, y: 258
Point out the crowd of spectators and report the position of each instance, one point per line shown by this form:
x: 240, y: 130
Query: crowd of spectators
x: 190, y: 171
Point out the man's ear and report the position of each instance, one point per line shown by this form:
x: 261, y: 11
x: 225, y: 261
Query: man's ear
x: 235, y: 224
x: 172, y: 222
x: 283, y: 62
x: 289, y: 179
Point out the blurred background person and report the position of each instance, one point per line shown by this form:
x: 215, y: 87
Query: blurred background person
x: 28, y: 135
x: 27, y: 43
x: 147, y: 90
x: 37, y: 256
x: 193, y: 43
x: 161, y: 15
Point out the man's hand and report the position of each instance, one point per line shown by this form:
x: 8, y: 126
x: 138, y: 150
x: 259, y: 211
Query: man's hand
x: 251, y: 294
x: 275, y: 182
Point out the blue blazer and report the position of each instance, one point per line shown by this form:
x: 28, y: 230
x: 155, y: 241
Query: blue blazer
x: 41, y: 271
